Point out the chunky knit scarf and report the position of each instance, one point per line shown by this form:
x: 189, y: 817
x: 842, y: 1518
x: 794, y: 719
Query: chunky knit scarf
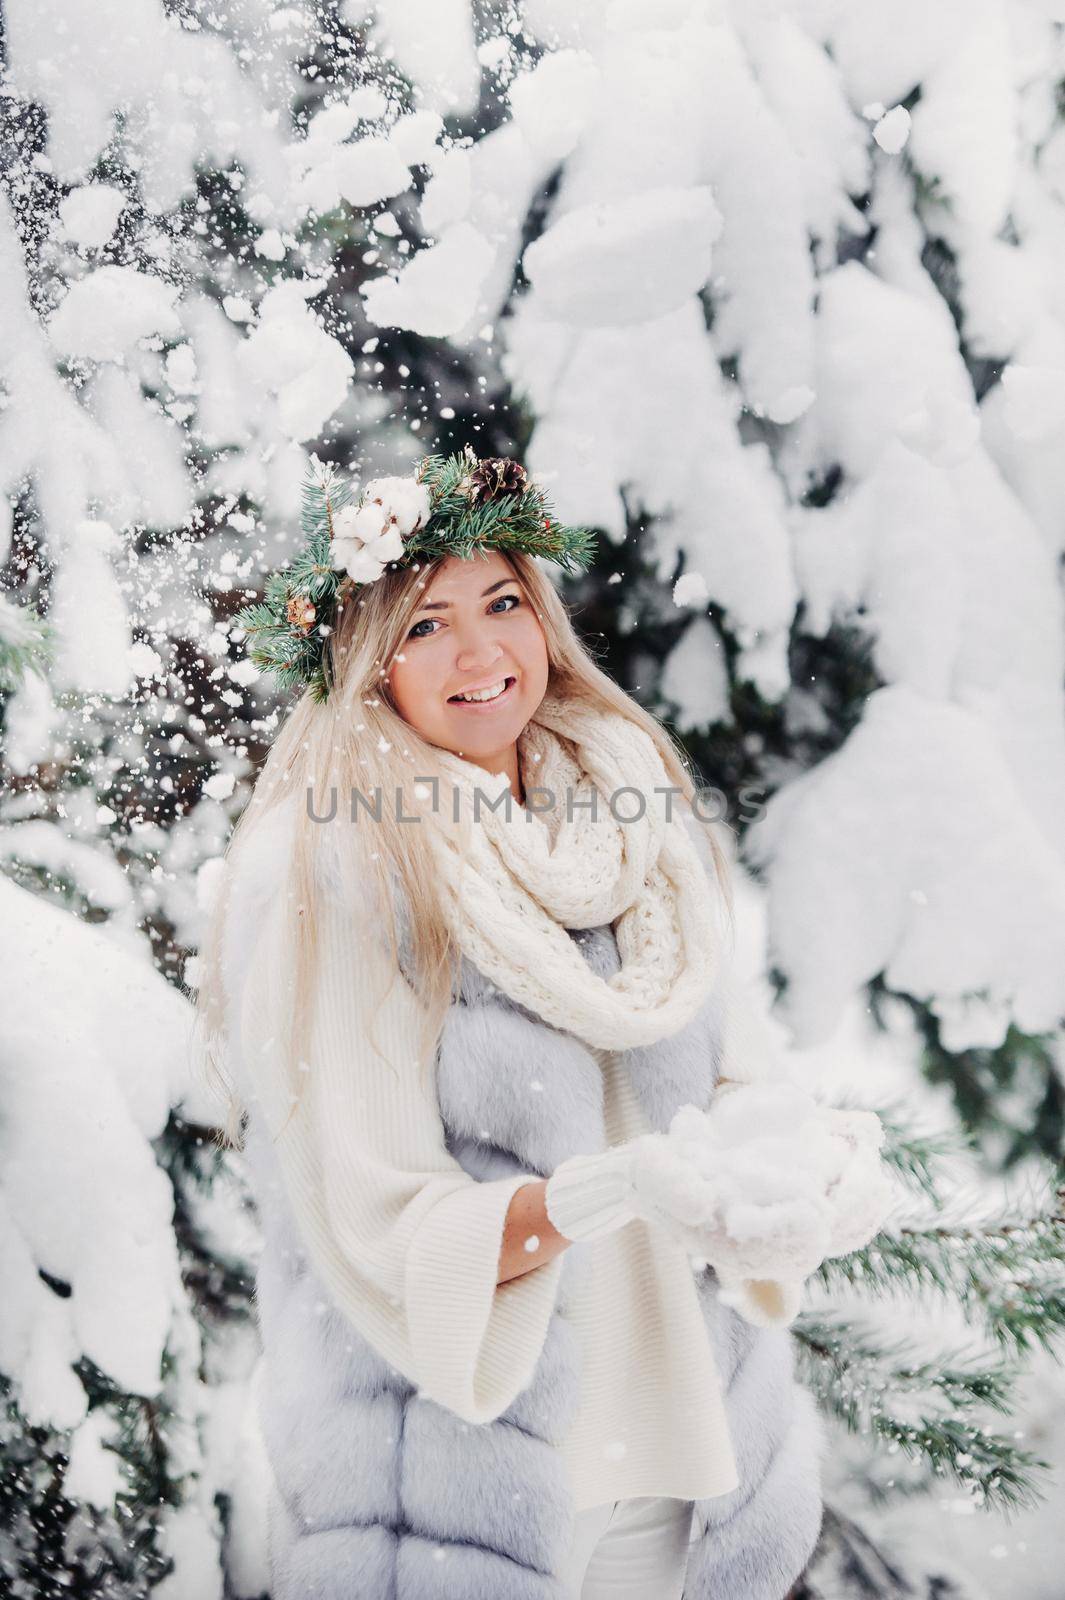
x: 516, y: 883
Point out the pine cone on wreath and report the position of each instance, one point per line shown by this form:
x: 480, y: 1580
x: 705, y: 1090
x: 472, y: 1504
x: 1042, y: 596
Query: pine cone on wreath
x: 496, y: 475
x: 301, y: 613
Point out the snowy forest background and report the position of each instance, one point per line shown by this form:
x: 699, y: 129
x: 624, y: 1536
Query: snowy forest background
x: 773, y: 296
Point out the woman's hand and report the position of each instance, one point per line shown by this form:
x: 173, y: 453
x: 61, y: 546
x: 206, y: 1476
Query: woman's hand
x: 862, y: 1193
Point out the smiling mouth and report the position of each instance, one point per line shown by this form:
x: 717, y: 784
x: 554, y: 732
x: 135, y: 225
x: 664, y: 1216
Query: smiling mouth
x: 482, y: 705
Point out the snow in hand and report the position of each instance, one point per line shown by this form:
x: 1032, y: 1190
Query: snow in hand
x: 777, y: 1183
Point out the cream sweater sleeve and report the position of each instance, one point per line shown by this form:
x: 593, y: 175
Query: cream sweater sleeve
x: 407, y: 1241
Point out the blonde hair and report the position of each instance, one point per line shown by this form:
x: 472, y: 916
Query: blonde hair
x: 358, y: 740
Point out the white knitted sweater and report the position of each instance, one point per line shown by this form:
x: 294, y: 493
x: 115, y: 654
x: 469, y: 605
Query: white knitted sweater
x: 409, y: 1243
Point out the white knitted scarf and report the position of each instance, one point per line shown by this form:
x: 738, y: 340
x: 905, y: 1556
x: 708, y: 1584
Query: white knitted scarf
x: 516, y: 884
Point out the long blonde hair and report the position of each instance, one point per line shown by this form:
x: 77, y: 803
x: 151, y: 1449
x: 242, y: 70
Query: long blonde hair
x: 357, y: 740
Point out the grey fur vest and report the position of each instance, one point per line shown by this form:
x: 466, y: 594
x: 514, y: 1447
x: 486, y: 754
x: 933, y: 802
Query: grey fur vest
x: 380, y: 1494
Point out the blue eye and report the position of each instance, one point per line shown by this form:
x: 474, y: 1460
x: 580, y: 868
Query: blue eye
x: 498, y: 600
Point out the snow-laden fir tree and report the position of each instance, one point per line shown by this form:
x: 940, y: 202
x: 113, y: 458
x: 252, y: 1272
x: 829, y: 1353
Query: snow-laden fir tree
x: 166, y: 222
x: 758, y: 294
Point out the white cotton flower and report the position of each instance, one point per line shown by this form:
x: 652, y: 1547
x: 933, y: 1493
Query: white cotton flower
x: 367, y: 536
x: 364, y: 541
x: 403, y: 499
x: 366, y: 522
x: 359, y: 561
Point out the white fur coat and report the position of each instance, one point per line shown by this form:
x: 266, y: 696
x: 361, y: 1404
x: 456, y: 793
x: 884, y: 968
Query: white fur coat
x: 381, y: 1493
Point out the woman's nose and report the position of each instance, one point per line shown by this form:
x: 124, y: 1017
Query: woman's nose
x: 477, y: 650
x: 474, y: 658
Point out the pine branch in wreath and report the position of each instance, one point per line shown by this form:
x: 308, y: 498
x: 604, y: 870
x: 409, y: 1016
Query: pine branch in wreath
x: 285, y: 629
x: 460, y: 524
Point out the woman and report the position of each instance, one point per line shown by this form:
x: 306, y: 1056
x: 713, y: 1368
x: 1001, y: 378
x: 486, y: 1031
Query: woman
x: 528, y: 1257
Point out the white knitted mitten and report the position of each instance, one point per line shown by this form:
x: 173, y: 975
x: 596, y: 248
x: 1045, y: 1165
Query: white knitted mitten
x: 648, y: 1176
x: 860, y: 1193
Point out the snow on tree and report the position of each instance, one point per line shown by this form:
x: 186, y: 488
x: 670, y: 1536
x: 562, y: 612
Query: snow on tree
x: 116, y: 1407
x: 758, y: 294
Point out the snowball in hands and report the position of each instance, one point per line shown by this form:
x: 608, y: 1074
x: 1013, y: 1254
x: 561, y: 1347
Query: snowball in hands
x: 764, y: 1185
x: 784, y: 1184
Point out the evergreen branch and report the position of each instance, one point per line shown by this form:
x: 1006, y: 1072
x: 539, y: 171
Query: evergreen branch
x: 913, y: 1155
x: 886, y: 1476
x: 297, y: 657
x: 853, y: 1353
x: 858, y: 1380
x: 1005, y: 1268
x: 522, y: 521
x: 489, y: 527
x: 324, y: 492
x: 27, y: 644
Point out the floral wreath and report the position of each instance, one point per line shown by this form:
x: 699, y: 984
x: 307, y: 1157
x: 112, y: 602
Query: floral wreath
x: 451, y: 505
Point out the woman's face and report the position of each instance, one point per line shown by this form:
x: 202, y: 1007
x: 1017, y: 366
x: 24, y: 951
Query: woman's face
x: 474, y: 628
